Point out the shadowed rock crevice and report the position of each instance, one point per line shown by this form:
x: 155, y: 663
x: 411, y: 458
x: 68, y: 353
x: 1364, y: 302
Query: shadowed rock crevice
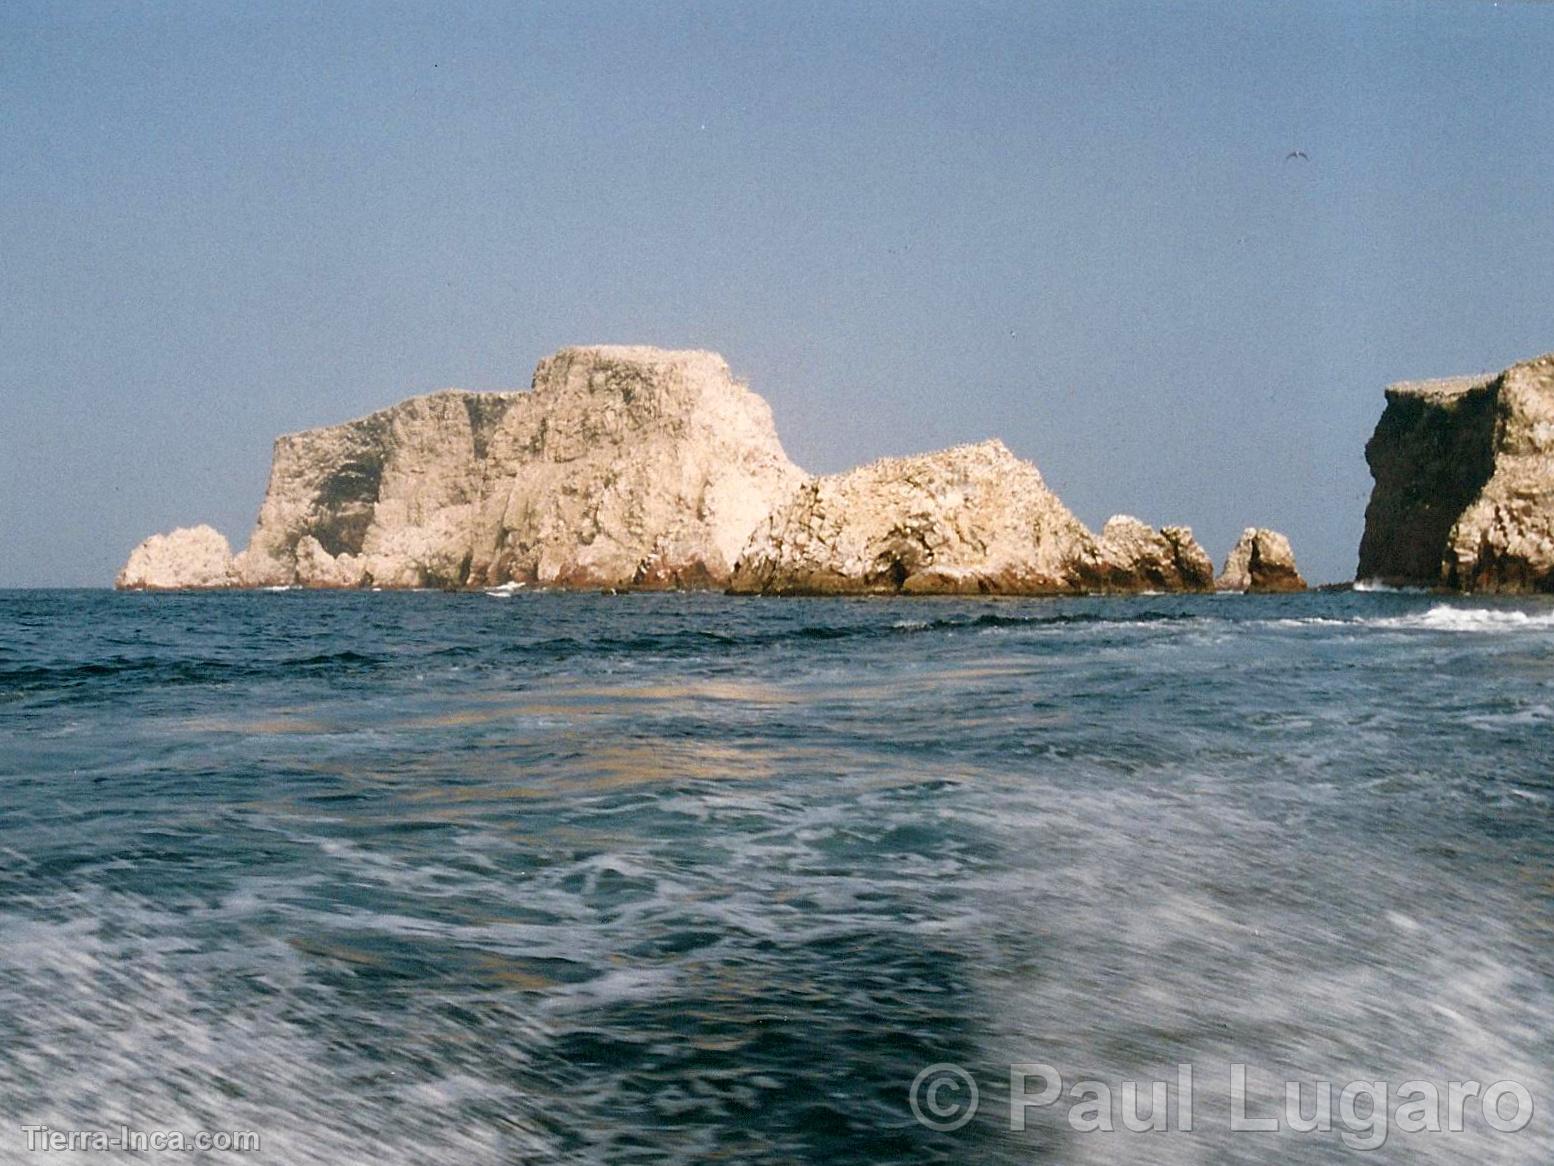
x: 341, y: 526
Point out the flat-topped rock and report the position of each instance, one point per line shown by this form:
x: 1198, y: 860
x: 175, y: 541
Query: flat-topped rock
x: 1439, y: 388
x: 1464, y: 483
x: 621, y: 467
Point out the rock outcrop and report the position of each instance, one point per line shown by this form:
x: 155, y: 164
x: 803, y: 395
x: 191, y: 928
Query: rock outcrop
x: 1464, y: 493
x: 184, y: 558
x: 1261, y: 561
x: 973, y: 519
x: 967, y: 520
x: 1131, y: 556
x: 191, y: 557
x: 621, y: 467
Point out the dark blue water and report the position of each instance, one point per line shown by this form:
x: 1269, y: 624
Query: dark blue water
x: 563, y: 878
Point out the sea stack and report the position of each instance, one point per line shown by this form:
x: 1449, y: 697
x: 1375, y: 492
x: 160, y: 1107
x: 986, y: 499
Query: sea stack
x: 1132, y: 556
x: 1464, y: 483
x: 1261, y: 561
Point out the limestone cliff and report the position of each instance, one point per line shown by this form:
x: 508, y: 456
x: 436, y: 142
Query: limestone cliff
x: 973, y: 519
x: 389, y: 500
x: 1464, y: 483
x: 1261, y: 561
x: 621, y: 467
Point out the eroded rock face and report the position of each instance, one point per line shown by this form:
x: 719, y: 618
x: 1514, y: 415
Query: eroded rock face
x: 1132, y: 556
x: 637, y: 467
x: 1261, y: 561
x: 390, y: 499
x: 973, y: 519
x: 189, y: 557
x: 622, y: 467
x: 966, y: 520
x: 1464, y: 493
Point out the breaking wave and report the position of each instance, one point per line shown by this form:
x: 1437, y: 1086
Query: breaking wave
x: 1452, y: 618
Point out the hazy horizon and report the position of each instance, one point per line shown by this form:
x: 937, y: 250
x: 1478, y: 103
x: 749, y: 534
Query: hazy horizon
x: 1075, y: 228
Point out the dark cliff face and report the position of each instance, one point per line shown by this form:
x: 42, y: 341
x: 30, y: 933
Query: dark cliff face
x: 1431, y: 455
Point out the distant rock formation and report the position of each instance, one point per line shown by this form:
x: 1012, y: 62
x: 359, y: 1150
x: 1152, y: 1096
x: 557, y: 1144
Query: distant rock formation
x: 635, y: 467
x: 192, y: 557
x: 1464, y: 493
x: 622, y: 467
x: 969, y: 520
x: 966, y: 520
x: 1131, y: 556
x: 1262, y: 560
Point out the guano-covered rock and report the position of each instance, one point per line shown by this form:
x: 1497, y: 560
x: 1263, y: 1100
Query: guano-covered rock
x: 621, y: 467
x: 193, y: 558
x: 973, y: 519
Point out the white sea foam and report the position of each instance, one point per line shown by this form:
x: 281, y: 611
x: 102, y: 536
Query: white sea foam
x: 114, y: 1024
x: 1376, y: 585
x: 1445, y: 617
x: 1496, y: 722
x: 505, y: 590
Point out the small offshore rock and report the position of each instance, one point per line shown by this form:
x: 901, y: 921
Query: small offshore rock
x: 189, y: 558
x: 1261, y: 561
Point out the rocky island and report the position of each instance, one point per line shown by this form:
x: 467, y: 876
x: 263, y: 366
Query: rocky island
x: 637, y: 467
x: 1464, y: 483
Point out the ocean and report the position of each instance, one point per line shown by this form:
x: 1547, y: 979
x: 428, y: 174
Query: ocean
x: 471, y: 878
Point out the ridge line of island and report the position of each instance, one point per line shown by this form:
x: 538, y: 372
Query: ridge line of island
x: 638, y: 468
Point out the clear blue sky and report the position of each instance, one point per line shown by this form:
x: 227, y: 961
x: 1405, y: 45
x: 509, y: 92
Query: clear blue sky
x: 1072, y: 226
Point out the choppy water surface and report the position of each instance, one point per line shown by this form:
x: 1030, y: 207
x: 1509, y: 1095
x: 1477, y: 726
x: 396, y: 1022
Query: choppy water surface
x: 461, y: 878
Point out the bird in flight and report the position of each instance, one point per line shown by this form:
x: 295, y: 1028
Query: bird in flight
x: 1293, y: 154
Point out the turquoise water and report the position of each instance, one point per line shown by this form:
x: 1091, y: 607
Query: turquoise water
x: 684, y: 878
